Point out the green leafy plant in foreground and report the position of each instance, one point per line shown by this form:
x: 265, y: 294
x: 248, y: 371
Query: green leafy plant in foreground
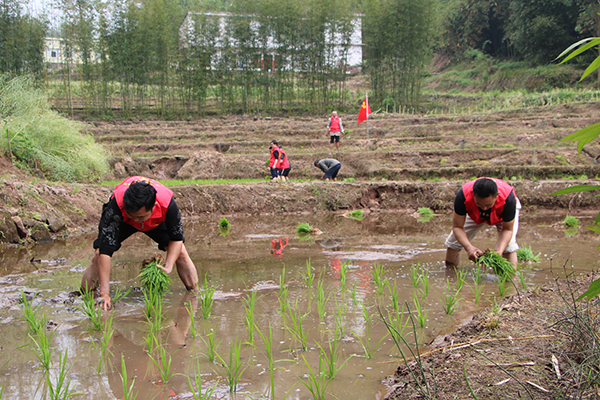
x: 570, y: 222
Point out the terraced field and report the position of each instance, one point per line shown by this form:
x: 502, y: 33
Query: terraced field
x: 522, y: 143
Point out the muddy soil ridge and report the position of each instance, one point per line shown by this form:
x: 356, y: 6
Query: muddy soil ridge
x: 405, y: 162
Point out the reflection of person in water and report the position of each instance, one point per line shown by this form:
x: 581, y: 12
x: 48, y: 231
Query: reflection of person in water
x: 136, y: 355
x: 277, y: 246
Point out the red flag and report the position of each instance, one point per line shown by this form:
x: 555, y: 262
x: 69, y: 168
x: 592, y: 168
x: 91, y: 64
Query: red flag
x: 365, y: 110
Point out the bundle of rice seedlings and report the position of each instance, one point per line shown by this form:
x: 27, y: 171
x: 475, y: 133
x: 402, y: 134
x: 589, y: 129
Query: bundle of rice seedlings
x: 501, y: 266
x: 303, y: 227
x: 224, y: 223
x: 356, y: 214
x: 153, y: 278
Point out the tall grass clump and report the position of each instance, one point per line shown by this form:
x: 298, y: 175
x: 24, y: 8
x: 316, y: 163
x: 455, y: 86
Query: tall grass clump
x: 44, y: 141
x: 525, y: 254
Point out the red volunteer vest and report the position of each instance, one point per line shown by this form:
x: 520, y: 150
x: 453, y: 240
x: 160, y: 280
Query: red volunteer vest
x: 284, y: 163
x: 273, y: 159
x: 504, y: 190
x: 159, y: 212
x: 334, y: 124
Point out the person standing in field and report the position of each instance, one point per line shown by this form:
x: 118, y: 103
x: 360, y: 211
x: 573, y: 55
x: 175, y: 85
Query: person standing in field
x: 139, y: 204
x: 334, y: 129
x: 484, y: 201
x: 284, y: 165
x: 275, y: 160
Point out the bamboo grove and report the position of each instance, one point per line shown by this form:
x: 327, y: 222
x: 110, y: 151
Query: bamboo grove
x: 173, y: 59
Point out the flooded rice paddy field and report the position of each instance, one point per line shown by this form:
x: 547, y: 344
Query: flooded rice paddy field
x: 249, y: 258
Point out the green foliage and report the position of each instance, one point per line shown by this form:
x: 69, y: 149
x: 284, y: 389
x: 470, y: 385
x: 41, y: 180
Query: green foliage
x: 303, y: 228
x: 127, y: 390
x: 526, y: 254
x: 425, y: 211
x: 235, y: 367
x: 21, y: 40
x: 61, y: 388
x: 356, y: 214
x: 154, y: 279
x: 43, y: 141
x: 501, y: 266
x: 570, y: 222
x: 224, y: 223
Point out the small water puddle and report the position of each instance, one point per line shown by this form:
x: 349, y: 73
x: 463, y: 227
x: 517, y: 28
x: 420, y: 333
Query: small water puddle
x: 256, y: 255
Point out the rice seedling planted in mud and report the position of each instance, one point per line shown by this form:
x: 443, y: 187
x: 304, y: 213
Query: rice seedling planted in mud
x: 224, y: 223
x: 449, y: 298
x: 461, y: 276
x: 421, y: 314
x: 197, y: 394
x: 190, y: 310
x: 294, y: 324
x: 317, y: 379
x: 310, y: 276
x: 502, y: 289
x: 425, y: 211
x: 163, y: 364
x: 107, y: 332
x: 127, y: 390
x: 250, y: 307
x: 321, y: 299
x: 234, y: 368
x: 477, y: 290
x: 521, y: 277
x: 43, y: 351
x: 356, y: 214
x: 283, y: 292
x: 332, y: 359
x: 425, y: 281
x: 341, y: 309
x: 525, y: 254
x: 500, y: 265
x: 344, y: 268
x: 61, y: 388
x: 89, y: 309
x: 394, y: 295
x: 416, y: 277
x: 206, y: 298
x: 153, y: 278
x: 380, y: 281
x: 366, y: 341
x: 30, y: 314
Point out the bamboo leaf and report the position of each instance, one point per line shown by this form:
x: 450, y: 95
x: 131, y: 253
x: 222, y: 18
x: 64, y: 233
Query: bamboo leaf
x: 576, y: 189
x: 583, y: 136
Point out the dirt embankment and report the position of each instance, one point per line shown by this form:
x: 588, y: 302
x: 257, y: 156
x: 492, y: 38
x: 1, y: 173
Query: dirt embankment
x: 35, y: 210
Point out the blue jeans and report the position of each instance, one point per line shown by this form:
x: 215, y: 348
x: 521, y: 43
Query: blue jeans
x: 333, y: 171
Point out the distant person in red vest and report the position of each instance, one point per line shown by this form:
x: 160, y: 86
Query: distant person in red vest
x: 139, y: 204
x: 334, y: 129
x: 485, y: 201
x: 275, y: 160
x: 284, y: 165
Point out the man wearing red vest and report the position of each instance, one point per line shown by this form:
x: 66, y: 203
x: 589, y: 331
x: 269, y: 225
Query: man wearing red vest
x: 139, y: 204
x: 480, y: 202
x: 334, y: 128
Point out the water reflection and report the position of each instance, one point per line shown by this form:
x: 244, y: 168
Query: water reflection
x: 253, y: 256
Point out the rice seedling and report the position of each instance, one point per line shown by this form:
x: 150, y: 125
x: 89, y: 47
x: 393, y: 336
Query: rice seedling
x: 127, y: 390
x: 340, y: 318
x: 521, y: 277
x: 425, y: 211
x: 394, y: 295
x: 206, y: 298
x: 500, y: 265
x: 283, y: 292
x: 344, y: 268
x: 250, y: 315
x: 478, y: 274
x: 268, y: 342
x: 197, y: 394
x: 356, y: 214
x: 570, y: 222
x: 354, y: 293
x: 224, y: 223
x: 461, y: 276
x: 310, y: 276
x: 321, y: 299
x: 152, y: 303
x: 43, y: 351
x: 332, y: 359
x: 155, y: 319
x: 119, y: 295
x: 163, y: 364
x: 190, y: 310
x: 378, y: 279
x: 449, y: 299
x: 30, y: 314
x: 212, y: 346
x: 366, y: 341
x: 502, y: 289
x: 107, y: 332
x: 398, y: 320
x: 421, y: 313
x: 303, y: 228
x: 153, y: 278
x: 234, y: 368
x: 294, y: 325
x: 425, y: 282
x: 89, y: 309
x: 317, y: 380
x: 477, y: 290
x: 61, y: 388
x: 525, y: 254
x: 416, y: 277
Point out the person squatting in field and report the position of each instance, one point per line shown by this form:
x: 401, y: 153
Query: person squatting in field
x: 139, y: 204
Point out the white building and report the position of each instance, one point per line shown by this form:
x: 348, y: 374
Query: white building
x: 210, y: 30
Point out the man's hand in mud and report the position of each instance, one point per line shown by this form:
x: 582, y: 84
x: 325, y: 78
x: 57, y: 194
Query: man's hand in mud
x: 104, y: 300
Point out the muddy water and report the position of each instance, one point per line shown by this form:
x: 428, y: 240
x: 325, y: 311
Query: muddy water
x: 247, y: 258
